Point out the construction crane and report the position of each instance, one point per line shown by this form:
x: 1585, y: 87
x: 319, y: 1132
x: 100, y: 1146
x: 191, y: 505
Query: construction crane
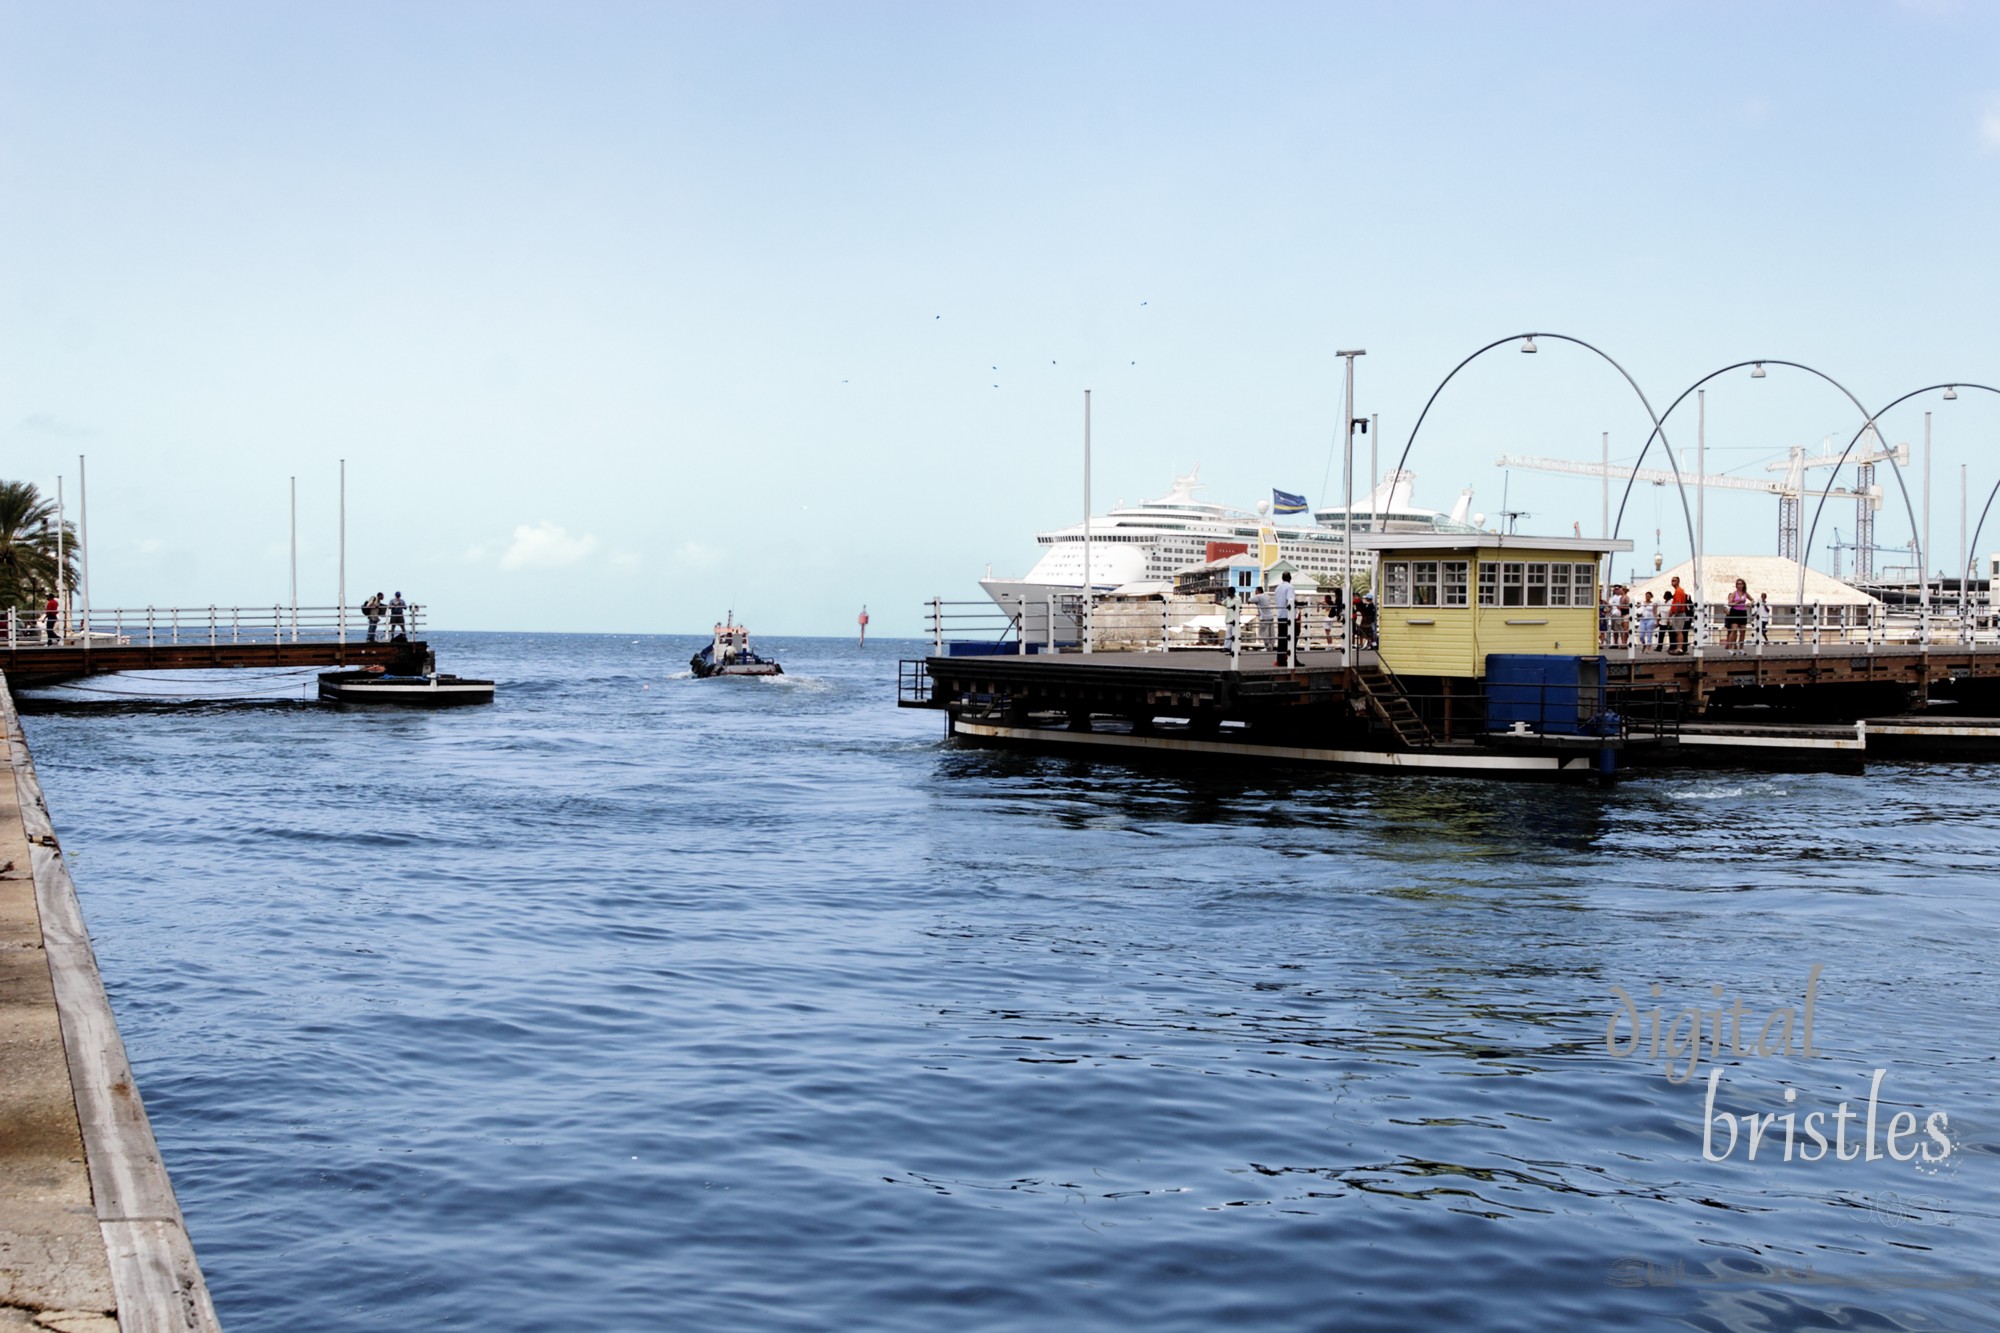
x: 1794, y: 467
x: 1790, y: 491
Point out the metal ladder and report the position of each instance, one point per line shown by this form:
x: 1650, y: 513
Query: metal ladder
x: 1386, y: 700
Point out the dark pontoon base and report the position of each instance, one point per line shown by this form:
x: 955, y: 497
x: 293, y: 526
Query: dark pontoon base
x: 1790, y: 709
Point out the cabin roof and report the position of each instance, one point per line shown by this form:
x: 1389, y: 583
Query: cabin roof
x: 1390, y: 542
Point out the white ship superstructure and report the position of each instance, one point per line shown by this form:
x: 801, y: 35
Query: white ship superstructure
x: 1152, y: 541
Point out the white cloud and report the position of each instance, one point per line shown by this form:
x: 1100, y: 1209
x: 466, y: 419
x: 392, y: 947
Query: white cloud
x: 625, y: 560
x: 694, y: 555
x: 546, y: 546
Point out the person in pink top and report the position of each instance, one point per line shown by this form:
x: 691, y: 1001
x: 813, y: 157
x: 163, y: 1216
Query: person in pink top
x: 1736, y: 622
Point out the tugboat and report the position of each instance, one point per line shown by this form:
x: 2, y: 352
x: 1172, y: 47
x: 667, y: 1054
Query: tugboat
x: 424, y: 688
x: 728, y: 654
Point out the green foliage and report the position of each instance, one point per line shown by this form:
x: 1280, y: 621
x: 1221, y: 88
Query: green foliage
x: 1363, y: 583
x: 28, y: 546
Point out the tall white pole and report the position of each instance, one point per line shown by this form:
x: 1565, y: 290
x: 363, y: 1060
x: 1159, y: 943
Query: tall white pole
x: 1088, y: 599
x: 1604, y: 530
x: 1700, y: 517
x: 341, y: 614
x: 295, y: 559
x: 1924, y: 555
x: 62, y: 566
x: 1962, y: 559
x: 1374, y: 478
x: 1347, y: 511
x: 83, y: 541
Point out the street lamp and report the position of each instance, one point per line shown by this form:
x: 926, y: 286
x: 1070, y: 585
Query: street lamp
x: 1951, y: 393
x: 1528, y: 345
x: 1757, y: 371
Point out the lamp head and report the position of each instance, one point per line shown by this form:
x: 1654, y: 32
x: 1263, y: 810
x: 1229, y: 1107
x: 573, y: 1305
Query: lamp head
x: 1757, y: 371
x: 1528, y: 344
x: 1951, y: 393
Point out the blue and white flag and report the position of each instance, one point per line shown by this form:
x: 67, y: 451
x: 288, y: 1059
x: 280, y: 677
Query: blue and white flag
x: 1284, y: 502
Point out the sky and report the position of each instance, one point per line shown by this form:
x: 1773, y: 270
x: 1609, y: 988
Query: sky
x: 624, y: 315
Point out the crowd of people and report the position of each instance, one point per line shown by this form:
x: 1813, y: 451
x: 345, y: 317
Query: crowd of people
x: 1666, y: 625
x: 1280, y: 613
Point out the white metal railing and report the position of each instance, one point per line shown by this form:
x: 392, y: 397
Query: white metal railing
x: 175, y: 626
x: 1053, y: 624
x: 1815, y: 626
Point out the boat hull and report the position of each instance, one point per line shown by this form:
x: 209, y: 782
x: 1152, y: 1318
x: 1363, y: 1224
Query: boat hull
x: 704, y: 669
x: 363, y: 687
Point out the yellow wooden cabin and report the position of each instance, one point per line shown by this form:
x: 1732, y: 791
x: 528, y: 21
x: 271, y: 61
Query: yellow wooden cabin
x: 1445, y: 600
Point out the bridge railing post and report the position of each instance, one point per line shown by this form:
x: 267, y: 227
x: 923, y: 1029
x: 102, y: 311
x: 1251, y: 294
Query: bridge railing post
x: 211, y: 626
x: 174, y: 627
x: 233, y: 630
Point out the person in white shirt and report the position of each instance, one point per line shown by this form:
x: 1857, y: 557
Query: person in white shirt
x: 1261, y: 599
x: 1284, y: 605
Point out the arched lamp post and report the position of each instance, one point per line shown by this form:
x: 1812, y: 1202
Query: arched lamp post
x: 1923, y: 555
x: 1757, y: 371
x: 1528, y: 345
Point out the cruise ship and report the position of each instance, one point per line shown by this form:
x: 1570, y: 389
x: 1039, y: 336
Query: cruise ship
x: 1152, y: 541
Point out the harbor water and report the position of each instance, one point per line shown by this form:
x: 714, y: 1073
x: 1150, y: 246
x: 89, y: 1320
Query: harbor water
x: 634, y: 1001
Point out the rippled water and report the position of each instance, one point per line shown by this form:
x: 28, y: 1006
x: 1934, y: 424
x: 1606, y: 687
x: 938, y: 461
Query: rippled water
x: 635, y: 1002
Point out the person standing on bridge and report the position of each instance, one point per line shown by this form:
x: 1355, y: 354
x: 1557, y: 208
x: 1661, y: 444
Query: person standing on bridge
x: 372, y: 608
x: 1679, y: 610
x: 49, y: 614
x: 396, y: 608
x: 1736, y: 621
x: 1284, y: 605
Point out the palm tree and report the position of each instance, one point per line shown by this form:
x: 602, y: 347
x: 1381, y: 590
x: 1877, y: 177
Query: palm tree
x: 28, y: 546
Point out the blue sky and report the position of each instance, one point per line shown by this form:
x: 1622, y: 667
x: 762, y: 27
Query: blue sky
x: 623, y: 314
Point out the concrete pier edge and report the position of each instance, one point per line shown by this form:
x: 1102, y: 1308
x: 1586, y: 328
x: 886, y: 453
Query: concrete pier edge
x: 154, y: 1276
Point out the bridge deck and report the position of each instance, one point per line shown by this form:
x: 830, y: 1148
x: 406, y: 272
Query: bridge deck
x: 32, y: 665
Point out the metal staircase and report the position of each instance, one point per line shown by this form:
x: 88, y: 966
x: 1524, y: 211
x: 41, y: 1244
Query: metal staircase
x: 1385, y: 699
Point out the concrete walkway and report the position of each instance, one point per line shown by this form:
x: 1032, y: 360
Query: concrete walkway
x: 91, y: 1239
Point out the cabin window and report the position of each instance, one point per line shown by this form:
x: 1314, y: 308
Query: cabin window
x: 1396, y: 583
x: 1424, y: 583
x: 1538, y: 584
x: 1489, y: 583
x: 1559, y: 585
x: 1585, y: 591
x: 1455, y: 572
x: 1512, y: 579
